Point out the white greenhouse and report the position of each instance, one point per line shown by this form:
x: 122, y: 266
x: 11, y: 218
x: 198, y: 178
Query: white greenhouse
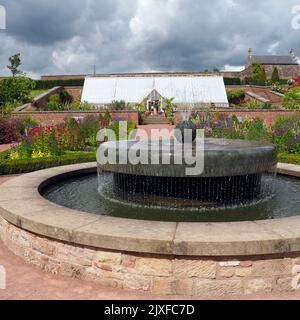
x: 188, y: 89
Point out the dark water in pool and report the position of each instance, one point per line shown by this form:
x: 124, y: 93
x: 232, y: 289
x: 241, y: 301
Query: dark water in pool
x: 280, y: 198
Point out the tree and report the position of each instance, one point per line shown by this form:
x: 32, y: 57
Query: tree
x: 258, y: 72
x: 16, y: 89
x: 15, y: 63
x: 275, y: 75
x: 170, y: 108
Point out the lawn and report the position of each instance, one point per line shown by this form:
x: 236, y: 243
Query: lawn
x: 36, y: 93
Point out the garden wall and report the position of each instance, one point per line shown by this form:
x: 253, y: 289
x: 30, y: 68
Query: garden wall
x: 74, y: 92
x: 40, y: 101
x: 156, y: 274
x: 50, y: 117
x: 268, y: 116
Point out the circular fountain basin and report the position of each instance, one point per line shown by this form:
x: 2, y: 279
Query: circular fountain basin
x: 158, y: 257
x: 217, y: 171
x: 222, y: 158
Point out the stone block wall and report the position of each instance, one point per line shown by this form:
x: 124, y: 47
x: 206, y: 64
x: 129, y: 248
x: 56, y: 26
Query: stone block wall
x: 169, y: 275
x: 285, y: 71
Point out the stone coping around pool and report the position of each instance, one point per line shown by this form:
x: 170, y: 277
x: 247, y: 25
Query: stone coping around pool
x: 22, y: 205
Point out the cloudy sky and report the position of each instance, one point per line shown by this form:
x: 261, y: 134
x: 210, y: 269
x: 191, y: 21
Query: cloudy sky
x: 70, y: 36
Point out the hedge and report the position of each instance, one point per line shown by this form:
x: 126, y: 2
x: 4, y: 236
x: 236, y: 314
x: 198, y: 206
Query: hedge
x: 49, y: 84
x: 290, y: 158
x: 232, y: 81
x: 249, y: 81
x: 8, y: 167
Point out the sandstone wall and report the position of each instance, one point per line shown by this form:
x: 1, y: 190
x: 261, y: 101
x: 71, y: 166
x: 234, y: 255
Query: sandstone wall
x: 169, y: 275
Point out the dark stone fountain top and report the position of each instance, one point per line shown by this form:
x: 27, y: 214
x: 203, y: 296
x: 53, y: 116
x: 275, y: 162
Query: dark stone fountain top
x: 222, y: 158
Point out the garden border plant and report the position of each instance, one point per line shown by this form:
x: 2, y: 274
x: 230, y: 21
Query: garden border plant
x: 9, y: 167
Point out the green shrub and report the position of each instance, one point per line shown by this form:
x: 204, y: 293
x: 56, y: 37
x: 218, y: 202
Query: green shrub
x: 169, y: 108
x: 286, y: 134
x: 115, y: 127
x: 119, y: 105
x: 28, y: 122
x: 291, y: 99
x: 8, y: 166
x: 236, y: 97
x: 275, y: 76
x: 65, y: 97
x: 258, y: 72
x: 289, y: 158
x: 15, y: 91
x: 257, y: 131
x: 257, y: 105
x: 54, y: 103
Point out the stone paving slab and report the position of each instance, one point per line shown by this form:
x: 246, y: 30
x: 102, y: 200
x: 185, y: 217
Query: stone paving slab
x: 288, y: 169
x: 128, y: 235
x: 227, y: 239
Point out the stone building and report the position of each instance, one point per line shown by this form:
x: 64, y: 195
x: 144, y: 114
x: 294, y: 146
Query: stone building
x: 287, y: 65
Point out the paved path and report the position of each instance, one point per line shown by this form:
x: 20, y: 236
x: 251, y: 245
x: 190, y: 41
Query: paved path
x: 26, y: 282
x: 145, y: 131
x: 4, y: 147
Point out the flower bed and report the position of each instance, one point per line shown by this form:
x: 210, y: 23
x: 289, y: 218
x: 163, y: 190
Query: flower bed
x: 71, y: 141
x: 220, y: 125
x: 285, y: 132
x: 74, y: 134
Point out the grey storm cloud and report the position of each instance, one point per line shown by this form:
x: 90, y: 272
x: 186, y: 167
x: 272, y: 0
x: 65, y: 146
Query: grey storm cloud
x: 70, y: 36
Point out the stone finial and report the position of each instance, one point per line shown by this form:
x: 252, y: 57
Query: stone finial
x: 293, y: 54
x: 250, y: 54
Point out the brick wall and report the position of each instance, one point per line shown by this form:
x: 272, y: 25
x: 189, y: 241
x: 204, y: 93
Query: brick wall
x: 64, y: 77
x: 75, y: 92
x: 57, y: 117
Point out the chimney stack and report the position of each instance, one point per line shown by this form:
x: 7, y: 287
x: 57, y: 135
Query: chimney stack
x: 293, y: 54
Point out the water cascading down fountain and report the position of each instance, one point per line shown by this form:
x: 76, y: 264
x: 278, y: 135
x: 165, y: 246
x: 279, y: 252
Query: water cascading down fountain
x: 232, y: 169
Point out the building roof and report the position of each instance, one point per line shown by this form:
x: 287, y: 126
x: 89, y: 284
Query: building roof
x: 280, y: 60
x: 184, y: 89
x: 129, y: 74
